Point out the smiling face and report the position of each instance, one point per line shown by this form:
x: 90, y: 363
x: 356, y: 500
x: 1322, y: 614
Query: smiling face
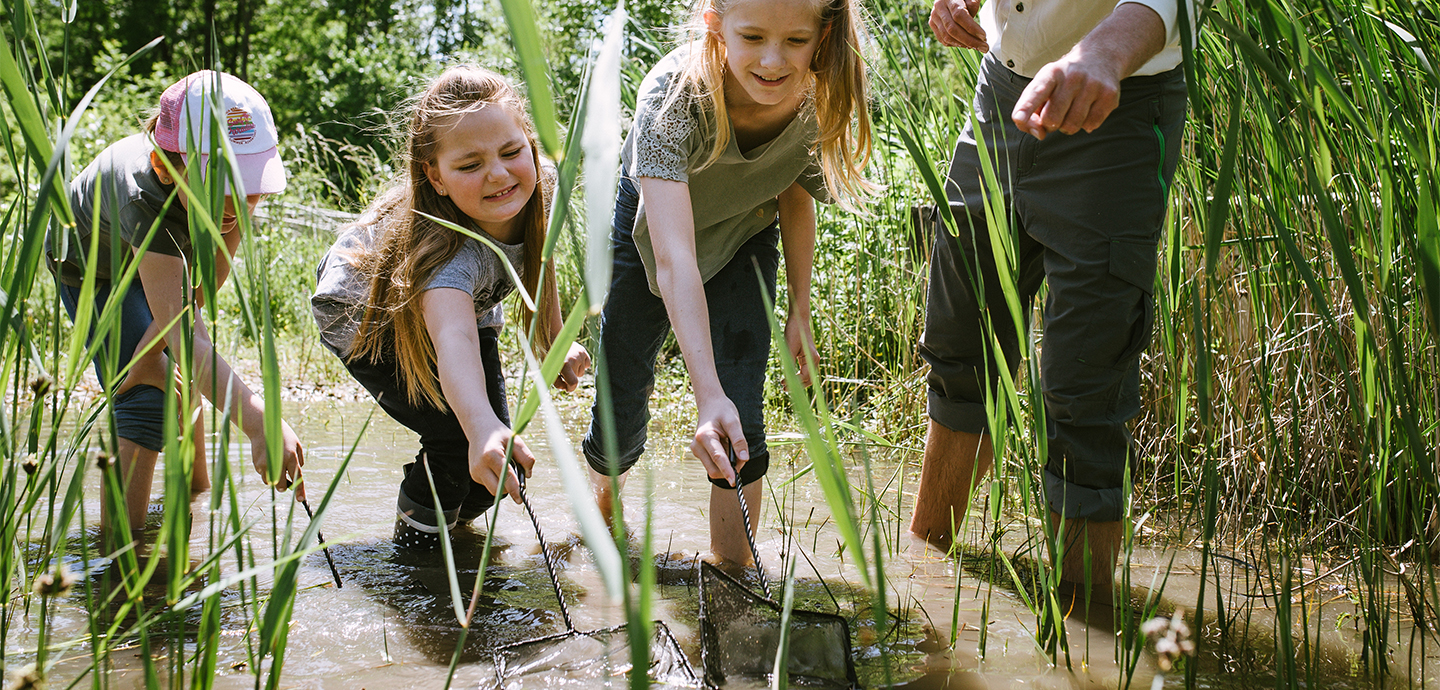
x: 768, y: 49
x: 484, y: 163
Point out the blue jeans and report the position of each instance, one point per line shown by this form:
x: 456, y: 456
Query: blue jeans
x: 139, y: 412
x: 634, y: 324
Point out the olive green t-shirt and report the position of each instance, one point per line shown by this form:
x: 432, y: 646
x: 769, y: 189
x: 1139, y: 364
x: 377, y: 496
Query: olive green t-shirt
x: 736, y: 196
x: 131, y: 198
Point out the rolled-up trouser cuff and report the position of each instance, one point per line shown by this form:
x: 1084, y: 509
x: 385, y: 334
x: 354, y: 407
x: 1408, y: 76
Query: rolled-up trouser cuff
x: 595, y: 457
x: 965, y: 417
x: 140, y: 416
x: 1075, y: 502
x: 754, y: 470
x: 421, y: 516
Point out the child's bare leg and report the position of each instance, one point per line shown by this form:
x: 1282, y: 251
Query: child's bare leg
x: 728, y: 541
x: 136, y: 463
x: 200, y: 474
x: 137, y: 473
x: 603, y: 486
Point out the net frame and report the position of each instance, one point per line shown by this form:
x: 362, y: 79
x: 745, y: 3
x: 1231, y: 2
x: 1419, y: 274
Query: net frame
x: 712, y: 650
x: 674, y: 663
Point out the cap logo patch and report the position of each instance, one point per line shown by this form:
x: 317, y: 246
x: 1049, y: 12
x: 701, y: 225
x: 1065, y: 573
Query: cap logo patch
x: 240, y: 125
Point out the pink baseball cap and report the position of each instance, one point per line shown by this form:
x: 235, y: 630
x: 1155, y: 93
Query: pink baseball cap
x: 249, y: 127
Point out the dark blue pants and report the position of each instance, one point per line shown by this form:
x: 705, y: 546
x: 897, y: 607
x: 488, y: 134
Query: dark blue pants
x: 139, y: 412
x: 634, y: 324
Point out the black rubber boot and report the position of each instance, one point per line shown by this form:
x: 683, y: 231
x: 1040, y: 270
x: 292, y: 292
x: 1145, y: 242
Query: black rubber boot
x: 414, y: 539
x: 417, y: 525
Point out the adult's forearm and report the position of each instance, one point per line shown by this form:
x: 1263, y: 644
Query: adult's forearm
x: 1125, y: 40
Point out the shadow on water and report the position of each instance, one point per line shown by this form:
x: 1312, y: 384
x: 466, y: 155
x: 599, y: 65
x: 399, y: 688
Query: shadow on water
x: 516, y: 602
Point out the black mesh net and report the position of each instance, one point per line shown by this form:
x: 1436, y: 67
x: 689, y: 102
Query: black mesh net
x: 740, y: 633
x: 591, y: 659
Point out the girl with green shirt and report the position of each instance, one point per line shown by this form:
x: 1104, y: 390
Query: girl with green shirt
x: 736, y: 135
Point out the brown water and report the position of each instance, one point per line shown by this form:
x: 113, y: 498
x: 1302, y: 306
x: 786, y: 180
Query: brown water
x: 393, y: 625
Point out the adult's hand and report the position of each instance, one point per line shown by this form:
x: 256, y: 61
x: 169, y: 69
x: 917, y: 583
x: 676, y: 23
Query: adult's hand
x: 953, y: 23
x: 1081, y: 89
x: 1068, y: 95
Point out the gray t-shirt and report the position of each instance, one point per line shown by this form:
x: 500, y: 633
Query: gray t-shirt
x: 736, y: 196
x: 130, y: 196
x: 342, y: 293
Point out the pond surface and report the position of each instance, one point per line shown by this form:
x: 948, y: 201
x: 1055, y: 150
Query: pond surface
x: 392, y: 624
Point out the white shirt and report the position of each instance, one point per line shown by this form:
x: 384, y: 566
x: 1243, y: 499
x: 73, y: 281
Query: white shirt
x: 1029, y: 34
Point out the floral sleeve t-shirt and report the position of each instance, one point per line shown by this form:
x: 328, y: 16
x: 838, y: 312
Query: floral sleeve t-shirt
x: 733, y: 198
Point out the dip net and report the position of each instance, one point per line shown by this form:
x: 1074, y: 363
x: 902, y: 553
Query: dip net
x: 586, y: 658
x: 740, y: 635
x: 591, y: 659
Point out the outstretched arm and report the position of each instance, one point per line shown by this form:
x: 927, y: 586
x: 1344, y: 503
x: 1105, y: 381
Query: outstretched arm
x: 450, y: 322
x: 672, y: 232
x: 164, y: 280
x: 1081, y: 89
x: 797, y: 236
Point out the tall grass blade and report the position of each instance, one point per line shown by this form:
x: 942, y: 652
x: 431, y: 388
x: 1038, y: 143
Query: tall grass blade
x: 602, y: 154
x: 577, y: 486
x: 829, y: 469
x: 446, y: 552
x: 525, y: 35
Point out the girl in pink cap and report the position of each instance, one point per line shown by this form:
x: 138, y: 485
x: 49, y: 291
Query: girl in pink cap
x: 137, y: 221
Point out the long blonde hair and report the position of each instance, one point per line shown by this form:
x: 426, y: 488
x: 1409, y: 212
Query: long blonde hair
x: 406, y: 249
x: 837, y: 73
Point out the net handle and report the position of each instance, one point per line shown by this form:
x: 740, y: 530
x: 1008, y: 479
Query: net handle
x: 749, y: 536
x: 544, y: 552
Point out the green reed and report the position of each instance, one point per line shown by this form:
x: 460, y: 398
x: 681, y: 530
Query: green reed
x: 1291, y: 387
x: 1290, y: 392
x: 59, y: 438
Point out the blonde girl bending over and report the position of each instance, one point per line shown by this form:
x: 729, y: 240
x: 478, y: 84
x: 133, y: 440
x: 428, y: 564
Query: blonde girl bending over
x: 413, y: 308
x: 737, y: 134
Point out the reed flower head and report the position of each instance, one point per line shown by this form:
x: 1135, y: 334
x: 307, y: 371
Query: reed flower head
x: 1171, y: 638
x: 26, y: 678
x: 54, y: 583
x: 41, y: 384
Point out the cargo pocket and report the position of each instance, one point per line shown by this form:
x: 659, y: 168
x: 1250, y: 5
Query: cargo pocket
x: 1133, y: 261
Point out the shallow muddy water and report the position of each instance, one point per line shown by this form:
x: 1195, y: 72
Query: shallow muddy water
x: 392, y: 624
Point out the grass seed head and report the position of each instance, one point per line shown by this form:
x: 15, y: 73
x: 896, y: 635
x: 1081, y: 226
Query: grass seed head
x: 30, y: 464
x: 55, y: 583
x: 103, y: 460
